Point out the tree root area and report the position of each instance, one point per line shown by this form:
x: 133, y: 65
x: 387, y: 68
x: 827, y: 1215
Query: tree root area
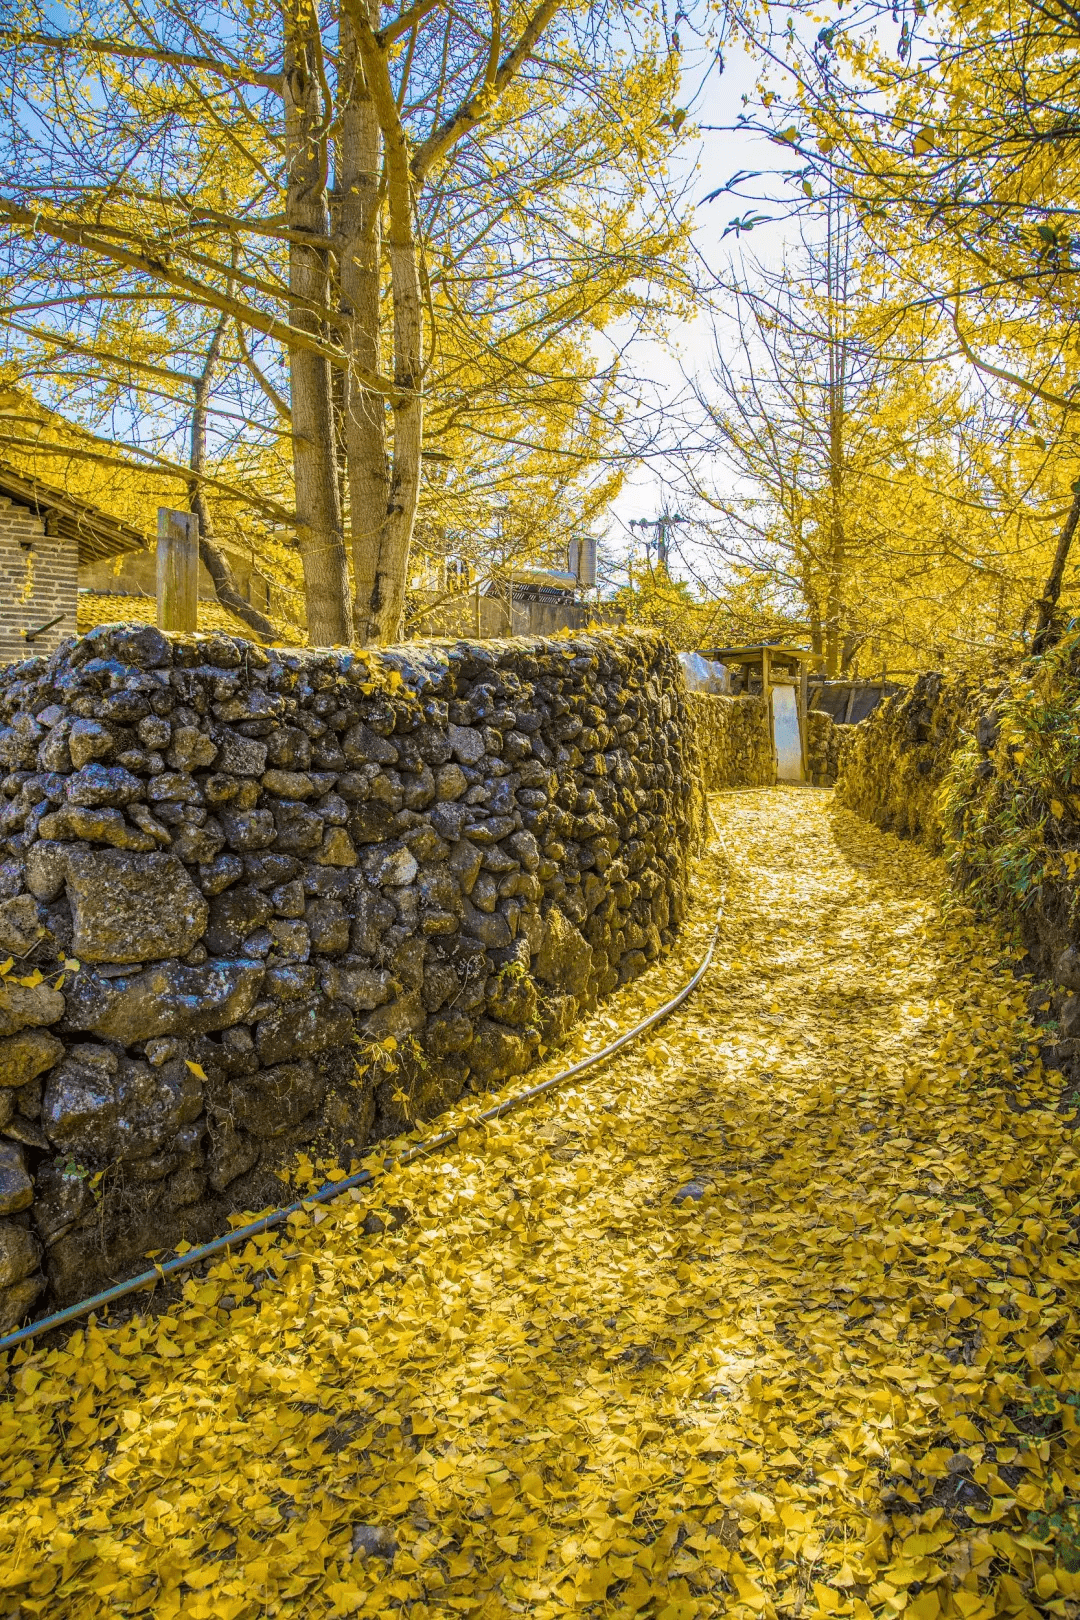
x: 775, y: 1315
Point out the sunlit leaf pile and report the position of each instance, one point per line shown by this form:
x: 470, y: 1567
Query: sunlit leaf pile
x: 775, y: 1315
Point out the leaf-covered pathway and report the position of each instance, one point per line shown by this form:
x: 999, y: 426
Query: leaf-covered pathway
x: 839, y: 1382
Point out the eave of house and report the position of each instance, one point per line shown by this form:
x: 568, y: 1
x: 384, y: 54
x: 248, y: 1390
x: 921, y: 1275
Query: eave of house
x: 97, y: 534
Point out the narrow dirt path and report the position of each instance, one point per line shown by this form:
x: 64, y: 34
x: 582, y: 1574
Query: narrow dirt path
x: 773, y: 1316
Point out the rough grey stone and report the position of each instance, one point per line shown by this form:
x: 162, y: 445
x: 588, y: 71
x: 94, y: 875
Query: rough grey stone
x: 288, y: 899
x: 401, y: 1017
x: 290, y: 938
x: 373, y: 1541
x: 242, y: 756
x: 290, y: 981
x: 1069, y: 1017
x: 276, y: 1098
x: 169, y: 999
x: 467, y: 744
x: 390, y: 868
x: 450, y: 783
x: 233, y: 916
x: 26, y: 1006
x: 88, y: 740
x: 221, y: 872
x: 448, y: 1034
x: 449, y: 820
x: 101, y: 827
x: 233, y: 1153
x: 491, y: 929
x: 99, y: 786
x: 61, y: 1197
x: 16, y: 1301
x: 199, y: 846
x: 154, y: 731
x: 101, y: 1109
x: 526, y: 849
x: 16, y: 1188
x: 692, y: 1191
x: 337, y: 849
x: 513, y: 1000
x: 299, y: 830
x: 147, y: 822
x: 191, y: 750
x: 248, y: 829
x: 498, y: 1053
x: 489, y: 831
x: 299, y: 1029
x: 178, y: 787
x: 362, y: 989
x: 253, y: 705
x: 1067, y: 968
x: 288, y: 784
x: 362, y: 745
x: 20, y: 1253
x: 26, y: 1055
x: 20, y: 926
x: 289, y: 747
x: 132, y: 908
x: 328, y: 925
x: 565, y: 957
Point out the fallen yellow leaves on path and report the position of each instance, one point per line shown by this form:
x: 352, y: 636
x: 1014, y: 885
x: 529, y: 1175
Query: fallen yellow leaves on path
x: 775, y: 1315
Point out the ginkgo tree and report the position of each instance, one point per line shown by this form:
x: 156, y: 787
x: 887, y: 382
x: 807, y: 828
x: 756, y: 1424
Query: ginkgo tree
x: 379, y: 223
x: 950, y: 134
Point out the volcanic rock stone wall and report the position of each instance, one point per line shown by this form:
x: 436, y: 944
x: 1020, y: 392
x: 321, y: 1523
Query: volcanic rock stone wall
x: 892, y: 764
x: 256, y: 898
x: 823, y: 745
x: 734, y: 740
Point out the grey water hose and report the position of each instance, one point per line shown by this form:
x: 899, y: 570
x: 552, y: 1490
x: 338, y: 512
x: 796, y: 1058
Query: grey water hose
x: 361, y: 1178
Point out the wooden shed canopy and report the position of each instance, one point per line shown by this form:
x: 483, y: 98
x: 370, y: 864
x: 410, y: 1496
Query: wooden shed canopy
x: 98, y: 535
x: 753, y: 654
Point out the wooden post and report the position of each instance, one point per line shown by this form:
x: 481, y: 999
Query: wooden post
x: 804, y: 717
x: 177, y: 570
x: 766, y: 693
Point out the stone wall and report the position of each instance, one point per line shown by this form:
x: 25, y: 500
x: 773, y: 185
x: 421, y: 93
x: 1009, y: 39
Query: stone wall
x: 256, y: 898
x: 39, y: 577
x: 734, y: 740
x: 823, y: 744
x: 892, y: 764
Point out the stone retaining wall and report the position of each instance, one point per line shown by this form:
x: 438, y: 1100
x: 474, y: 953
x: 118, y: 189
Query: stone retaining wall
x: 257, y: 898
x: 823, y: 744
x: 892, y: 764
x: 734, y: 741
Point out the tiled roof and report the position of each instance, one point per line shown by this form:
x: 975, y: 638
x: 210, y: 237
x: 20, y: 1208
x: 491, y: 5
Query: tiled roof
x: 97, y: 533
x: 97, y: 607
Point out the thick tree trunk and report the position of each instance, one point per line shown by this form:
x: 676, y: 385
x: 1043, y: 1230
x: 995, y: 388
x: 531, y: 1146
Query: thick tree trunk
x: 359, y: 250
x: 318, y: 508
x: 212, y: 559
x: 395, y: 541
x: 1046, y: 627
x: 380, y: 599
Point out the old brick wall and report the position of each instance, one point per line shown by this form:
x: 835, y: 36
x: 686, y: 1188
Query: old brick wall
x: 39, y: 578
x: 257, y: 898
